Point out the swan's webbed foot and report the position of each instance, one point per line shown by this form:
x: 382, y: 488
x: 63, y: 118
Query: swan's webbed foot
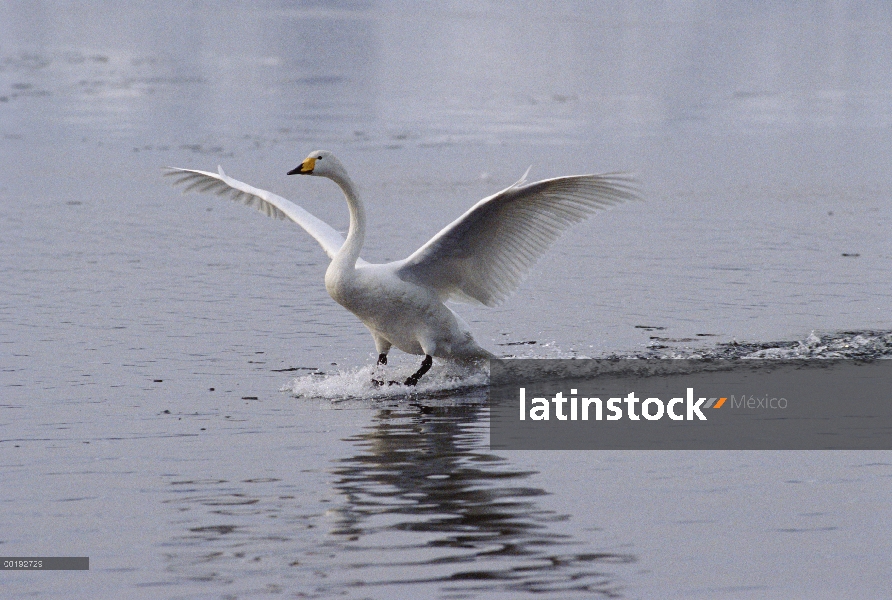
x: 413, y: 379
x: 382, y: 360
x: 425, y: 367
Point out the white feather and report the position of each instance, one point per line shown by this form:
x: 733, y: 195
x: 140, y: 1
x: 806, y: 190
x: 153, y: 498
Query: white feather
x: 485, y: 254
x: 266, y: 202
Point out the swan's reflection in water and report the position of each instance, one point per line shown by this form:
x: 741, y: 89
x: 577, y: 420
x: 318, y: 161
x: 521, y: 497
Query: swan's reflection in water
x: 419, y: 508
x: 428, y: 504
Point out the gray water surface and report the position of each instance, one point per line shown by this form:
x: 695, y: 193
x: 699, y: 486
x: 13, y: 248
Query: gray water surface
x: 182, y: 402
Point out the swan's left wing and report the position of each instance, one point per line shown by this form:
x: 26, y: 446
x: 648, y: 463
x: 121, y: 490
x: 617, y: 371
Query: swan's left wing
x: 266, y: 202
x: 484, y: 254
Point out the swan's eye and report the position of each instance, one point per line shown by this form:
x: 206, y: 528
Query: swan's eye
x: 319, y: 158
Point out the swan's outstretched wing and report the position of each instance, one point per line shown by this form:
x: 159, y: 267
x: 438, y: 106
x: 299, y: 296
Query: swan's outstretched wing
x: 266, y: 202
x: 484, y: 254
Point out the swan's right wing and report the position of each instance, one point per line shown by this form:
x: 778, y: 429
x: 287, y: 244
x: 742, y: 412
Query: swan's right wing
x: 484, y: 254
x: 266, y: 202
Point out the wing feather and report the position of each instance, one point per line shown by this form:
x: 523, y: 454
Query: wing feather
x: 485, y: 254
x: 266, y: 202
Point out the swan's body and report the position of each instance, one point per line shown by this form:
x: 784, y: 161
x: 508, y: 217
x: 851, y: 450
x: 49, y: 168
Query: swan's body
x: 401, y: 314
x: 480, y: 257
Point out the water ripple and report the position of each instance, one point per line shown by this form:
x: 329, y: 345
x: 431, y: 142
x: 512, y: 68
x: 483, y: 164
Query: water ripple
x: 427, y: 504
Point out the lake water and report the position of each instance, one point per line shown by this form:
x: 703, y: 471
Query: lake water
x: 182, y: 402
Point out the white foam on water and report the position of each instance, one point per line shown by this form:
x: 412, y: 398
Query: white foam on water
x: 445, y: 379
x: 853, y: 345
x: 356, y: 384
x: 845, y: 345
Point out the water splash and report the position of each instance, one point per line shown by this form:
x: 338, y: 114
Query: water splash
x: 356, y: 384
x: 854, y: 345
x: 860, y: 345
x: 446, y: 380
x: 849, y: 344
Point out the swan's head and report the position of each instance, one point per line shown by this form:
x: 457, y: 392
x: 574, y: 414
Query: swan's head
x: 319, y: 162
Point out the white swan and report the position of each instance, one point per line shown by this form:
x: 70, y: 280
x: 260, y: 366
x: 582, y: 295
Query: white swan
x: 480, y: 257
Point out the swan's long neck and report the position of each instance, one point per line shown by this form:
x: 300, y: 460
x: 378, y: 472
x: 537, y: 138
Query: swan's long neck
x: 349, y: 252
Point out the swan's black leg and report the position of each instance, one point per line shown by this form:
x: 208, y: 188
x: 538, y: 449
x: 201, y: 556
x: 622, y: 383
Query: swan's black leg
x: 425, y: 367
x: 382, y: 360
